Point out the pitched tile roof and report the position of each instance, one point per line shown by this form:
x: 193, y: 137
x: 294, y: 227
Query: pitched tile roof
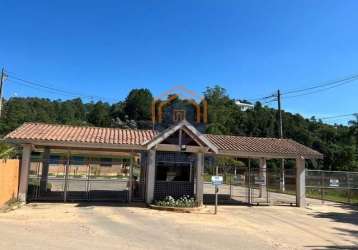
x: 67, y: 133
x: 261, y: 145
x: 32, y: 132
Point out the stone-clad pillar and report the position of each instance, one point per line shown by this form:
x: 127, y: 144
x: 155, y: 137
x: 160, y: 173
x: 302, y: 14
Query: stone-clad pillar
x: 150, y: 176
x: 300, y: 182
x: 199, y: 178
x: 24, y: 172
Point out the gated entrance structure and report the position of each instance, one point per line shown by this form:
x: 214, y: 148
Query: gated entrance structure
x: 159, y: 163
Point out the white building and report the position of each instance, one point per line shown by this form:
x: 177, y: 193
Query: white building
x: 244, y: 106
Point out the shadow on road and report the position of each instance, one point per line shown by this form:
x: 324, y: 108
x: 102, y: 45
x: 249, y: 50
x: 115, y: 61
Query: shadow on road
x: 332, y: 247
x: 350, y: 215
x: 111, y: 204
x: 223, y: 199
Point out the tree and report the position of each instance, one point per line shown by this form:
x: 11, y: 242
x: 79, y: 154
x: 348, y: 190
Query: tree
x: 6, y: 151
x: 353, y: 130
x: 99, y: 114
x: 71, y: 112
x: 338, y: 143
x: 222, y: 111
x: 138, y: 105
x: 117, y: 110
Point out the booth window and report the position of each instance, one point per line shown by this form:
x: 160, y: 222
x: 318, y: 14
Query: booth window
x: 171, y: 171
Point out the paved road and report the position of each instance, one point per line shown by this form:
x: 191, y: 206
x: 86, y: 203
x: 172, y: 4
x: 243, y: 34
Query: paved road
x: 71, y: 226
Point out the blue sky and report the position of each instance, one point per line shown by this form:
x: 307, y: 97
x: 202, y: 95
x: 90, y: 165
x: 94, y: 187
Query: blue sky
x: 251, y: 48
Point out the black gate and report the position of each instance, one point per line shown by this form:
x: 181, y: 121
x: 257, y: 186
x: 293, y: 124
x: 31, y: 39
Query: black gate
x: 92, y: 180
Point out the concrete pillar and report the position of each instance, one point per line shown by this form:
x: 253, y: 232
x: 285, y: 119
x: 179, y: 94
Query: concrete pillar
x: 67, y: 169
x: 262, y: 173
x: 130, y: 189
x: 150, y: 176
x: 45, y: 168
x: 24, y: 172
x: 199, y: 178
x: 282, y: 177
x: 300, y: 182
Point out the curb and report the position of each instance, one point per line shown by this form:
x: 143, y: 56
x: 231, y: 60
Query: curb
x: 176, y: 209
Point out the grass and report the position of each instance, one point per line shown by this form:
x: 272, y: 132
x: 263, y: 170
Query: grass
x: 335, y: 195
x: 10, y: 205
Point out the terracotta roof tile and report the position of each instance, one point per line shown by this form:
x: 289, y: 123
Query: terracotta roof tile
x: 67, y: 133
x: 117, y: 136
x: 261, y: 145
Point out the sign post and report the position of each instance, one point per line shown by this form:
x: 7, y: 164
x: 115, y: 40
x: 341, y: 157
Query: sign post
x: 216, y: 180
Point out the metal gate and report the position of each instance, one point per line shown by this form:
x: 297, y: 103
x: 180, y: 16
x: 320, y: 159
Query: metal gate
x: 250, y: 186
x: 91, y: 180
x: 257, y: 186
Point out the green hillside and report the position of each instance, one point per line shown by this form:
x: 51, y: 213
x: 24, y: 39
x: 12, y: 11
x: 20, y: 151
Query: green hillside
x: 337, y: 143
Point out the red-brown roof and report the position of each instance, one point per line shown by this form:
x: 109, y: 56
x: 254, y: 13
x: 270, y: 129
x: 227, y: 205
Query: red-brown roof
x: 261, y: 145
x: 32, y: 132
x: 67, y: 133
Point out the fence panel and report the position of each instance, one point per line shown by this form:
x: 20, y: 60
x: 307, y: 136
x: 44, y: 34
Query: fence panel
x: 78, y: 180
x: 336, y: 186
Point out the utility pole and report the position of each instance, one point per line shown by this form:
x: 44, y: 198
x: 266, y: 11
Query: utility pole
x: 279, y: 114
x: 2, y: 80
x: 280, y: 130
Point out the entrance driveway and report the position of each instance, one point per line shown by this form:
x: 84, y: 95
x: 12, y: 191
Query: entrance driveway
x: 88, y: 226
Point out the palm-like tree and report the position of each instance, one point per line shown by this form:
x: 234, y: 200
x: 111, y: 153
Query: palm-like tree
x: 6, y: 151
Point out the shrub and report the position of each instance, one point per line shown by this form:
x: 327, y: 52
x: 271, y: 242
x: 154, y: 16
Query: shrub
x: 169, y: 201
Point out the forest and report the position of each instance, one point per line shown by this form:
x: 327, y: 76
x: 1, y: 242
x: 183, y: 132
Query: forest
x: 338, y: 143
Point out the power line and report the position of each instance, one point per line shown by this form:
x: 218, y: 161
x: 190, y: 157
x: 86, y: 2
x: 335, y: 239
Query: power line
x: 261, y: 98
x: 337, y: 116
x: 317, y: 88
x: 43, y: 86
x: 348, y: 78
x: 321, y: 90
x: 37, y: 88
x: 48, y: 88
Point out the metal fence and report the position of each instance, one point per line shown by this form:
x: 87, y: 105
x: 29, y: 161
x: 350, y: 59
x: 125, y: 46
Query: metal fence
x: 321, y: 186
x: 336, y: 186
x: 83, y: 181
x: 245, y: 186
